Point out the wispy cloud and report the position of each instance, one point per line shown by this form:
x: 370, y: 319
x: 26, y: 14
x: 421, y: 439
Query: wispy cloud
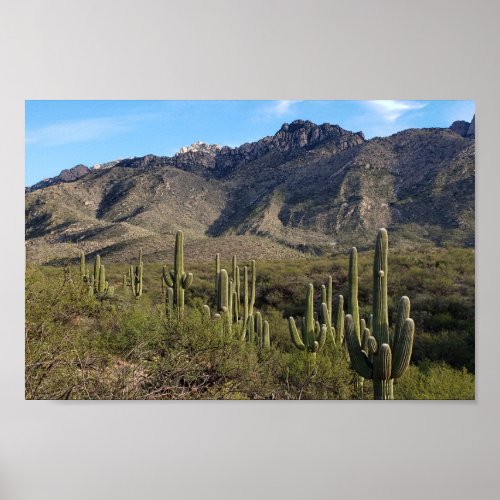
x: 391, y: 111
x: 84, y: 130
x: 276, y: 109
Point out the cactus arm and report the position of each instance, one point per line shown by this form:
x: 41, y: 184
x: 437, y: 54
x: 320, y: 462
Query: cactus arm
x: 326, y: 321
x: 205, y: 312
x: 323, y: 295
x: 338, y: 319
x: 359, y: 360
x: 403, y: 348
x: 401, y: 316
x: 353, y: 308
x: 365, y: 339
x: 259, y: 328
x: 329, y: 297
x: 294, y: 334
x: 371, y: 347
x: 380, y: 315
x: 167, y: 277
x: 187, y: 280
x: 322, y: 338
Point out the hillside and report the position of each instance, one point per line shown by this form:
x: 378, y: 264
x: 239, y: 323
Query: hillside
x: 306, y: 189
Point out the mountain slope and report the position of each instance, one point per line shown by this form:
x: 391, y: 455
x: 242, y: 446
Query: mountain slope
x: 308, y: 188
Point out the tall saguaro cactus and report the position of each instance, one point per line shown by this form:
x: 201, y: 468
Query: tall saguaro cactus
x: 312, y: 336
x: 217, y: 272
x: 136, y: 277
x: 388, y: 355
x: 224, y: 300
x: 237, y: 285
x: 248, y: 293
x: 252, y: 288
x: 177, y: 278
x: 353, y: 310
x: 97, y: 268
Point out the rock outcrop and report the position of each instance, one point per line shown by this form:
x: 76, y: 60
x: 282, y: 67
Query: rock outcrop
x: 465, y: 129
x: 66, y: 175
x: 460, y: 127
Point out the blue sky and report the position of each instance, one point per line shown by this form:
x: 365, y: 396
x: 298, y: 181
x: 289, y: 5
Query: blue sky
x: 61, y: 134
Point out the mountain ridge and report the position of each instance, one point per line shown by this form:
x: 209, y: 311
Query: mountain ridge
x: 307, y: 188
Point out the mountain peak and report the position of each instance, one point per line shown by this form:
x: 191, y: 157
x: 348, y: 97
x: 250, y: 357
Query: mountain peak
x: 200, y: 146
x: 464, y: 128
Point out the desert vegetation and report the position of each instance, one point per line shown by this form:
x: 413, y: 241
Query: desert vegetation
x: 333, y: 327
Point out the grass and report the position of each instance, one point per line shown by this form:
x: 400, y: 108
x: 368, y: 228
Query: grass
x: 81, y: 347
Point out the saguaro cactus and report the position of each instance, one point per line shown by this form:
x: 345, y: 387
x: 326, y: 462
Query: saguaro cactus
x: 237, y: 285
x: 136, y: 277
x: 327, y: 297
x: 98, y: 280
x: 217, y: 271
x: 312, y: 336
x: 388, y: 355
x: 252, y: 289
x: 83, y: 270
x: 266, y: 338
x: 353, y: 310
x: 248, y: 293
x: 97, y: 268
x: 177, y: 278
x: 224, y: 300
x: 102, y: 287
x: 259, y: 328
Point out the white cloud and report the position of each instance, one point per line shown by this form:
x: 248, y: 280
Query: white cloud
x: 277, y: 109
x: 88, y: 129
x: 281, y: 108
x: 391, y: 111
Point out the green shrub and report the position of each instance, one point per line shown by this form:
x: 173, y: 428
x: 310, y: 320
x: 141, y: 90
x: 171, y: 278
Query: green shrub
x: 435, y: 381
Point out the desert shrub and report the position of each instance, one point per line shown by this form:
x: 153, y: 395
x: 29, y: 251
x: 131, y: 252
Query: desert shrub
x: 435, y: 381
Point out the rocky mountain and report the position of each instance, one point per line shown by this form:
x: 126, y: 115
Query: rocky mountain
x: 67, y: 175
x: 306, y: 189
